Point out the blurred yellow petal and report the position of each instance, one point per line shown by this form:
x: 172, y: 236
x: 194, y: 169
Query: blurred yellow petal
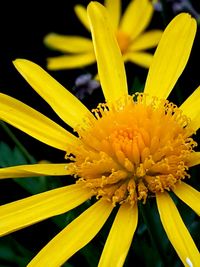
x: 109, y: 60
x: 188, y: 195
x: 81, y: 13
x: 35, y: 170
x: 75, y: 236
x: 27, y: 211
x: 146, y: 40
x: 65, y: 104
x: 176, y: 230
x: 191, y: 108
x: 143, y: 59
x: 171, y: 56
x: 114, y: 9
x: 120, y: 237
x: 136, y: 17
x: 70, y: 61
x: 64, y: 43
x: 34, y: 123
x: 194, y: 159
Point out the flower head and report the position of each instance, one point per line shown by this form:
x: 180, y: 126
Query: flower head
x: 127, y: 150
x: 129, y: 29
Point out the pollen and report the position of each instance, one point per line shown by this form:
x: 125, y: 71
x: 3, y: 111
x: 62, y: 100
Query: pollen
x: 134, y: 151
x: 123, y: 41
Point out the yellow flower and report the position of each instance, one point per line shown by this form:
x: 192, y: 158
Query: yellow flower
x: 129, y: 29
x: 128, y: 149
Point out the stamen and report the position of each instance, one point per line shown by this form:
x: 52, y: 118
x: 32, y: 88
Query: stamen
x: 123, y: 41
x: 135, y: 148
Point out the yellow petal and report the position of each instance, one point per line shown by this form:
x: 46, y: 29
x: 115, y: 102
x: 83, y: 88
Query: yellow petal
x: 109, y: 60
x: 120, y: 237
x: 171, y: 56
x: 75, y: 236
x: 146, y: 40
x: 27, y: 211
x: 114, y: 9
x: 72, y: 44
x: 194, y: 159
x: 136, y: 17
x: 81, y: 13
x: 35, y: 170
x: 177, y: 231
x: 191, y: 108
x: 188, y: 195
x: 143, y: 59
x: 34, y: 123
x: 65, y: 104
x: 71, y: 61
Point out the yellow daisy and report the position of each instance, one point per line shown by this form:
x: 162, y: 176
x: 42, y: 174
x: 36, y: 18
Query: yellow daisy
x: 130, y: 148
x: 129, y: 28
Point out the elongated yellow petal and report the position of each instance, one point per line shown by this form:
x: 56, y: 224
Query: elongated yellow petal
x: 27, y: 211
x: 177, y: 231
x: 34, y: 123
x: 35, y: 170
x: 143, y: 59
x: 171, y: 56
x: 81, y: 13
x: 146, y: 40
x: 194, y: 159
x: 191, y: 108
x: 65, y: 104
x: 136, y: 17
x: 120, y: 237
x: 75, y: 236
x: 109, y: 60
x: 71, y: 61
x: 72, y: 44
x: 114, y: 9
x: 189, y: 195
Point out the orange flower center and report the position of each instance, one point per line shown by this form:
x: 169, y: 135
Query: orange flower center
x: 123, y: 41
x: 136, y: 151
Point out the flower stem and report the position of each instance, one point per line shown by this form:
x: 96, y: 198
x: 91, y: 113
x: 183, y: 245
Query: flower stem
x: 17, y: 142
x: 149, y: 220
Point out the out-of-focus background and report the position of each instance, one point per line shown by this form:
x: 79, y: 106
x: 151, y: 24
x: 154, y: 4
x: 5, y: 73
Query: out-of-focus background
x: 23, y: 26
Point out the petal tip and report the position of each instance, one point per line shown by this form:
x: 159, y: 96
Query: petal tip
x: 186, y: 16
x: 93, y: 5
x: 19, y: 61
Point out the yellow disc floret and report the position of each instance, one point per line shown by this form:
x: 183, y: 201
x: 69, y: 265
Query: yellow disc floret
x: 123, y: 41
x: 136, y: 151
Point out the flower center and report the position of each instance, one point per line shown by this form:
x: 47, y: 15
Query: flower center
x: 123, y: 41
x: 136, y: 151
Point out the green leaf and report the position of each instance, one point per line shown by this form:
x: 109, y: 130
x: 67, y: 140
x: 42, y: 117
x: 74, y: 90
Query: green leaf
x: 13, y: 253
x: 12, y: 157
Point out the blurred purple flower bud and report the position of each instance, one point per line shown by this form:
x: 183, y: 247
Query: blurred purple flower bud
x: 157, y: 5
x: 177, y: 7
x: 185, y: 5
x: 83, y: 79
x: 84, y: 84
